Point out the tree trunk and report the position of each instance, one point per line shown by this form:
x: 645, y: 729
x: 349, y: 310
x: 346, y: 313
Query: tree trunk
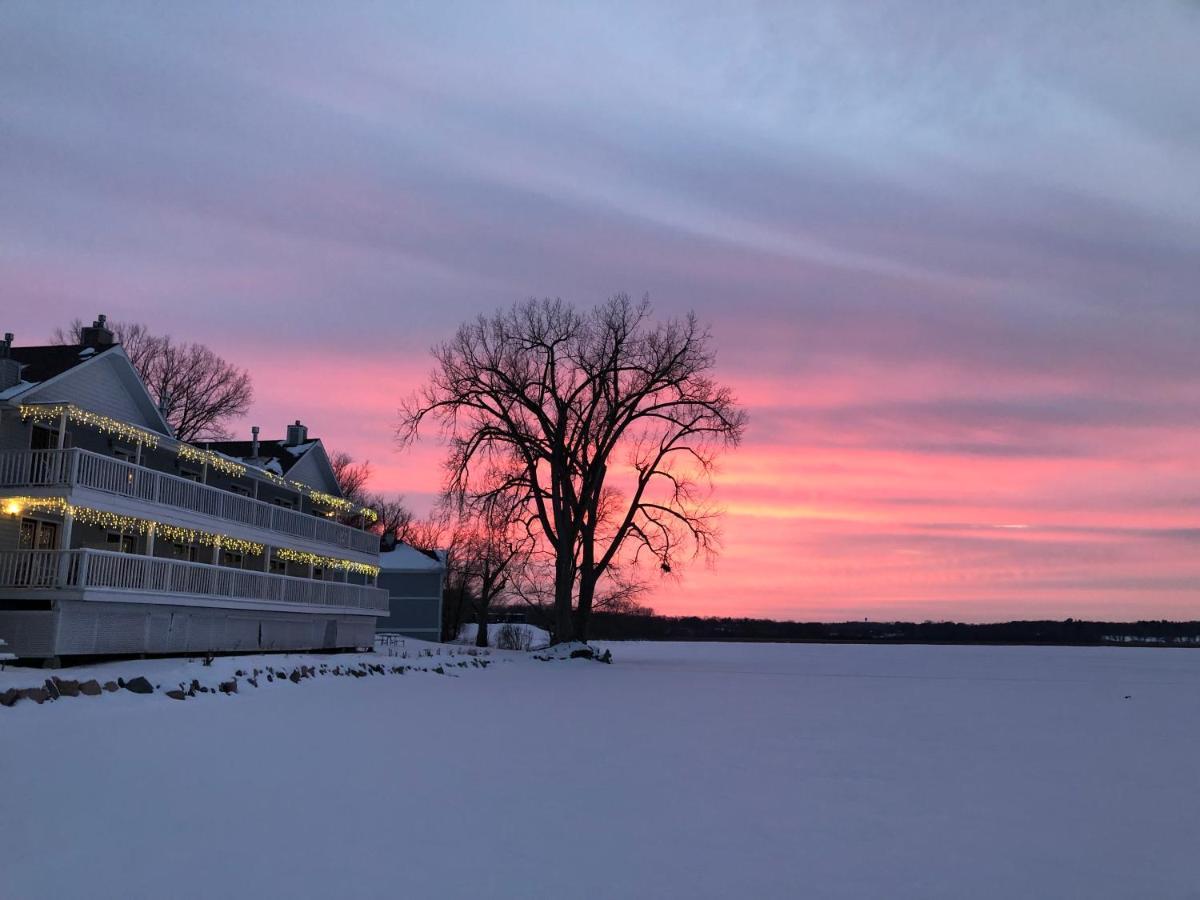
x: 583, y: 616
x: 564, y: 585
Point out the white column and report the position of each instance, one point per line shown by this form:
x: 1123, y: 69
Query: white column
x: 266, y: 559
x: 62, y: 428
x: 149, y: 538
x: 64, y: 544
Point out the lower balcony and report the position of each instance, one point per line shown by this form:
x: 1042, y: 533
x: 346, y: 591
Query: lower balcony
x: 102, y: 575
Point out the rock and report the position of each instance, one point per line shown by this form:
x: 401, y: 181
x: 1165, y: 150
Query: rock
x: 294, y: 678
x: 195, y: 684
x: 120, y: 682
x: 139, y: 685
x: 176, y: 695
x: 270, y: 678
x: 582, y: 653
x: 10, y: 697
x: 37, y: 695
x: 253, y: 682
x: 66, y: 688
x: 51, y: 689
x: 111, y: 686
x: 228, y: 687
x: 90, y: 688
x: 240, y: 674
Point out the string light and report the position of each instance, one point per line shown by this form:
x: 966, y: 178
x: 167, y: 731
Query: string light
x: 320, y: 497
x: 213, y: 460
x: 186, y: 452
x: 111, y: 521
x: 325, y: 562
x: 103, y: 424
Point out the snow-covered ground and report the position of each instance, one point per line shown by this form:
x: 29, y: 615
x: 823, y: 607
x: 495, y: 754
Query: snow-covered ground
x: 682, y: 770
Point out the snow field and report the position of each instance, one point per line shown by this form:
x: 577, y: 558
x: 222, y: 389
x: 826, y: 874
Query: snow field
x: 682, y: 770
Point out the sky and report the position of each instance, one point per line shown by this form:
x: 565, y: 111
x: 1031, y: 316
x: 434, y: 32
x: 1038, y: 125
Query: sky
x: 948, y: 253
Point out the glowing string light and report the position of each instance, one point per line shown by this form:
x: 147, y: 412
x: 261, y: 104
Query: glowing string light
x: 211, y: 459
x: 110, y: 521
x: 50, y: 413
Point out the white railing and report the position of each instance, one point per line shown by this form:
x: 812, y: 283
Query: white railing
x: 49, y: 468
x: 105, y: 570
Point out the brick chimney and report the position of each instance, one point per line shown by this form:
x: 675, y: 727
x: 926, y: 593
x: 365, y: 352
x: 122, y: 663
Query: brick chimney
x: 10, y: 369
x: 97, y: 335
x: 296, y: 434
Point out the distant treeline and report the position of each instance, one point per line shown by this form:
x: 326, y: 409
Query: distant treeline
x: 623, y: 626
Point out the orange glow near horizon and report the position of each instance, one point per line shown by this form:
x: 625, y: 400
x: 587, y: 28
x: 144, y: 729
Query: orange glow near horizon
x: 833, y: 516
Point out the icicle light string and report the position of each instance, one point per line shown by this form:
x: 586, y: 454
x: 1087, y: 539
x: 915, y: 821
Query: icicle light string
x: 325, y: 562
x: 105, y: 425
x: 204, y: 457
x: 110, y: 521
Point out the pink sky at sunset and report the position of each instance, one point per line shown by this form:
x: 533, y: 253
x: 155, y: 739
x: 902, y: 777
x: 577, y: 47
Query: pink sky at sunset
x: 950, y: 270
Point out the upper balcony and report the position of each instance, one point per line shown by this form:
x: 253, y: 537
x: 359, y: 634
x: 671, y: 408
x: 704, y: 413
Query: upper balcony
x: 75, y: 468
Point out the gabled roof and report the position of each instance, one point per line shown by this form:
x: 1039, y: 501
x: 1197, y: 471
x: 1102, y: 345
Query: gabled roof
x: 46, y: 369
x: 284, y: 455
x: 40, y: 364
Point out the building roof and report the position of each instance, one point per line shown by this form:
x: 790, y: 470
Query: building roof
x: 405, y: 558
x: 276, y: 456
x: 40, y: 364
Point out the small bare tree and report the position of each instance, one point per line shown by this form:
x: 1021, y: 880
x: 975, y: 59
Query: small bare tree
x: 498, y: 544
x: 606, y: 424
x: 352, y: 476
x: 396, y: 520
x: 198, y: 391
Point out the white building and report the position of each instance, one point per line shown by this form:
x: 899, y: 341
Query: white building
x: 116, y: 538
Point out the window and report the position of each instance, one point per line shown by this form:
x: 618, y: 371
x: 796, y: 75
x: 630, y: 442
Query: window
x: 239, y: 490
x: 124, y: 453
x: 231, y: 559
x: 318, y: 574
x: 122, y: 543
x: 43, y: 437
x: 190, y: 474
x: 186, y: 551
x: 278, y: 566
x: 38, y: 535
x: 286, y: 504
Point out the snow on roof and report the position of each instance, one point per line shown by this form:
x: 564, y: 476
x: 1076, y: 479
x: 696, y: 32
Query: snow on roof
x: 19, y: 388
x: 299, y: 450
x: 407, y: 559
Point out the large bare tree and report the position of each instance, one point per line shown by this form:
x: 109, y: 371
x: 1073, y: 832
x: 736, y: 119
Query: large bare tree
x: 606, y: 424
x: 198, y: 391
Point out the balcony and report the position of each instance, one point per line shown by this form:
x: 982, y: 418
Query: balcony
x: 83, y: 468
x: 107, y: 575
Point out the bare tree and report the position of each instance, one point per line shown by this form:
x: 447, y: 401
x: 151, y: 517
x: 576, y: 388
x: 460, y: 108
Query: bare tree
x: 606, y: 424
x: 198, y: 391
x: 395, y: 519
x: 352, y: 476
x: 497, y: 545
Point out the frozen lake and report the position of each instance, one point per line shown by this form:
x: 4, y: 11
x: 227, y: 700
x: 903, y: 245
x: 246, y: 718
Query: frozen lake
x: 683, y: 770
